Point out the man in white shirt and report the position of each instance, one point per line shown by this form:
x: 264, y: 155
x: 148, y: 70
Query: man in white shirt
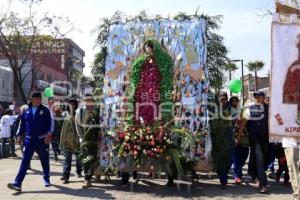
x: 5, y: 125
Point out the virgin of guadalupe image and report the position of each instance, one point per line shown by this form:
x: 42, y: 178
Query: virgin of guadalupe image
x: 291, y: 88
x: 151, y: 81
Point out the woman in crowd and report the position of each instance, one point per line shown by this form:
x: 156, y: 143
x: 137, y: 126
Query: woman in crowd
x: 69, y: 142
x: 241, y: 151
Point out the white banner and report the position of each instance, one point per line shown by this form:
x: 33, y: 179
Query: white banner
x: 285, y: 84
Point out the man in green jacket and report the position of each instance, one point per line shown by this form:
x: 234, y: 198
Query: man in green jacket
x: 222, y: 136
x: 87, y: 126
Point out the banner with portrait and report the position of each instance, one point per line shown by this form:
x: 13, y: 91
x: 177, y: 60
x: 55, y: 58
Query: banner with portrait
x: 284, y: 120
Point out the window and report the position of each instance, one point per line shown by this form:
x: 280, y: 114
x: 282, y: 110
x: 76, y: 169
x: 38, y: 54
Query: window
x: 49, y: 78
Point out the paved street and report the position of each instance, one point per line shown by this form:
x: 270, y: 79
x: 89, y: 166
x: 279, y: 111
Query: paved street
x: 207, y: 188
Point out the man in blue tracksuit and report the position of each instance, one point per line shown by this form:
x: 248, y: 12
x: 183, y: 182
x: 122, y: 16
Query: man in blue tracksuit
x: 36, y: 126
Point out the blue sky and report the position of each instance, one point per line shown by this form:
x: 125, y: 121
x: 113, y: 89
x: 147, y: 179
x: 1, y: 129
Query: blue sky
x: 246, y: 34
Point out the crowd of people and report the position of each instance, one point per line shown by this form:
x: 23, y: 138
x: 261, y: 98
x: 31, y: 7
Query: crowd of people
x: 239, y: 132
x: 236, y: 134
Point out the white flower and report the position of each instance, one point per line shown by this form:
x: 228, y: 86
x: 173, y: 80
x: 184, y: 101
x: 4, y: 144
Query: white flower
x: 141, y: 120
x: 126, y: 128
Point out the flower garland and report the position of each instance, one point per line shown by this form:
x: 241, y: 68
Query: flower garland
x: 149, y: 142
x: 164, y: 62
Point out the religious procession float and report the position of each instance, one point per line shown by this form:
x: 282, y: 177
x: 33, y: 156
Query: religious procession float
x: 155, y: 115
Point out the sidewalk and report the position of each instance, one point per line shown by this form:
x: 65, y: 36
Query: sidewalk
x: 146, y: 189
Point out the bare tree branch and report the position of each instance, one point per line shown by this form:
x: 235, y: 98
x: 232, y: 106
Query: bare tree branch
x: 19, y: 36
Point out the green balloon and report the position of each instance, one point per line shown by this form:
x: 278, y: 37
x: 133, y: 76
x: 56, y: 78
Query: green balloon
x: 235, y: 85
x: 48, y: 92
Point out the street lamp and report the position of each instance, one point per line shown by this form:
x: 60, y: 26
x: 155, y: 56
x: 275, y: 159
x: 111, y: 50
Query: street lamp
x: 243, y: 86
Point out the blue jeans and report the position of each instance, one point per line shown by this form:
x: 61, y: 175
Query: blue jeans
x: 260, y: 165
x: 68, y: 164
x: 55, y: 147
x: 43, y: 152
x: 271, y: 158
x: 240, y: 156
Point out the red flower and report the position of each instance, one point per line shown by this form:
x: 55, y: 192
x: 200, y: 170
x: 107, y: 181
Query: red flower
x: 132, y: 147
x: 150, y: 153
x: 121, y: 134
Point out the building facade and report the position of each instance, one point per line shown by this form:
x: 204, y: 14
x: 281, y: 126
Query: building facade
x: 6, y: 82
x: 263, y: 84
x: 62, y: 58
x: 54, y: 60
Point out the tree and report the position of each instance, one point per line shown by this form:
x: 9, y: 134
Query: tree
x: 98, y: 71
x: 255, y: 66
x: 19, y: 36
x: 230, y: 67
x: 216, y: 53
x: 216, y: 49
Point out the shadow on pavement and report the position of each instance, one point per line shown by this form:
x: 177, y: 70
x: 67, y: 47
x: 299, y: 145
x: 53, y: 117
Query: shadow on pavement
x: 196, y: 189
x: 92, y: 192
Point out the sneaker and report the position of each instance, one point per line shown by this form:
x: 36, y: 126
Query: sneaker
x: 237, y: 180
x: 270, y: 174
x: 14, y: 186
x: 263, y: 190
x: 14, y: 155
x: 295, y: 196
x: 47, y: 183
x: 134, y: 175
x: 63, y: 178
x: 66, y: 181
x: 79, y: 175
x: 170, y: 183
x: 87, y: 184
